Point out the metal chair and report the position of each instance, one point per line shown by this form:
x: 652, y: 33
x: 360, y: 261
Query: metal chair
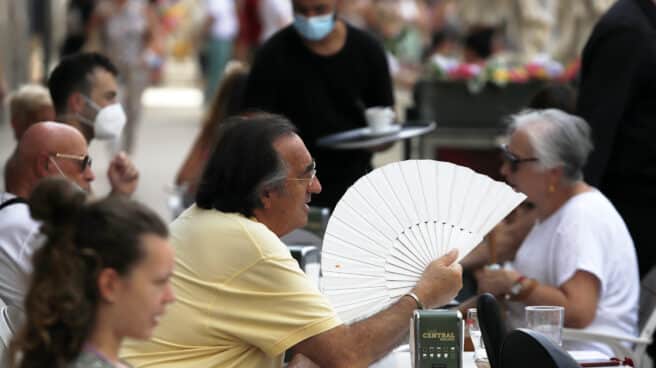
x: 526, y: 348
x: 305, y: 244
x: 305, y: 247
x: 318, y: 221
x: 493, y: 328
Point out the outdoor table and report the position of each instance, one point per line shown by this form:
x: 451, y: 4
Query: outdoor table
x: 400, y: 358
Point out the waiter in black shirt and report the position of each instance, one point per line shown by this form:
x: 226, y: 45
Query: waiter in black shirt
x: 322, y: 73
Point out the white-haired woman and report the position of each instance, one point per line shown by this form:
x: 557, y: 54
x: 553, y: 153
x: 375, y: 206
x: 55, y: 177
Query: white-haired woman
x: 579, y: 253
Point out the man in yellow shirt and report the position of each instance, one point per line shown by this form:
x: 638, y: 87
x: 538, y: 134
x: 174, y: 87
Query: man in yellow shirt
x: 242, y: 300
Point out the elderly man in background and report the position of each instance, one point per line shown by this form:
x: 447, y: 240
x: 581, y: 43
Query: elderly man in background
x: 45, y: 149
x: 28, y: 105
x: 242, y: 299
x: 85, y: 94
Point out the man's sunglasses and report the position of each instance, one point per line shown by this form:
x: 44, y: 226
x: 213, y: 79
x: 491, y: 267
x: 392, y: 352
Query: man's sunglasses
x: 85, y: 161
x: 512, y: 159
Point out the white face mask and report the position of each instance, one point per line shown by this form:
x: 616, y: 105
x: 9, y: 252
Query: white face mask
x: 109, y: 121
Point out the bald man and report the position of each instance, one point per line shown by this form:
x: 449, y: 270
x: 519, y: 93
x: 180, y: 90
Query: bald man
x: 45, y: 149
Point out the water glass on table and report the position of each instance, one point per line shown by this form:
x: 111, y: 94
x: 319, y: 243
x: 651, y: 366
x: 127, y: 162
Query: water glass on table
x: 475, y: 334
x: 546, y: 319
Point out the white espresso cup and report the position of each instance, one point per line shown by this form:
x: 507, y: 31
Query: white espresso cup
x: 379, y: 118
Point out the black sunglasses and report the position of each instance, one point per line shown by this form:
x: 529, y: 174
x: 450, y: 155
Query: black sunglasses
x: 512, y: 159
x: 85, y: 161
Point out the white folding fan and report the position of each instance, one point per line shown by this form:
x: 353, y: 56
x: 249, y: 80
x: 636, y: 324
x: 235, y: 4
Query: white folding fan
x: 395, y: 220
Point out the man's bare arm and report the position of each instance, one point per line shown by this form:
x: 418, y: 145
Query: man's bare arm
x: 364, y: 342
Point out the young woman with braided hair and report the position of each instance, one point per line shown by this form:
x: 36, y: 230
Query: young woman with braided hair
x: 101, y: 275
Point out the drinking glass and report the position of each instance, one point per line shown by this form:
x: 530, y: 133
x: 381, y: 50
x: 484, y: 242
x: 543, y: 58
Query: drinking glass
x: 546, y: 319
x: 475, y: 335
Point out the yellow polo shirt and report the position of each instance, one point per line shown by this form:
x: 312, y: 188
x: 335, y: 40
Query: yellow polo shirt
x: 242, y: 300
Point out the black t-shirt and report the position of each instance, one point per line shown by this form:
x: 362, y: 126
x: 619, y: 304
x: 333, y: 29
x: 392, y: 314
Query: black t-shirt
x: 323, y: 95
x: 617, y: 97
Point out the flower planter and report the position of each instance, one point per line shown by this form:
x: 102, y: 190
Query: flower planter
x: 469, y: 123
x: 453, y: 106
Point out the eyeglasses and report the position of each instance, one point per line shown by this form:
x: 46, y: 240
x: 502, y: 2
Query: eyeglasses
x: 512, y: 159
x: 85, y: 161
x: 313, y: 174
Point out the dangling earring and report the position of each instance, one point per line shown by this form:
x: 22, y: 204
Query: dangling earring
x: 552, y: 188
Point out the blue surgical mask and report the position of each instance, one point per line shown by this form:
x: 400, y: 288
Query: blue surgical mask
x: 314, y: 28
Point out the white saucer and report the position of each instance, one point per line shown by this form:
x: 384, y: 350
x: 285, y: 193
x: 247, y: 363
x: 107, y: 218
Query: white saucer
x: 388, y: 130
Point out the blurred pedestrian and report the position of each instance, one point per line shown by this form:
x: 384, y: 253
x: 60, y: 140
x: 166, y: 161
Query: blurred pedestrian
x: 274, y: 15
x: 78, y: 26
x: 28, y: 105
x: 226, y: 102
x: 221, y: 29
x: 126, y: 29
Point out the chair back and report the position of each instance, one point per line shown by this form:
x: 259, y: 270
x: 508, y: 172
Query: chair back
x: 526, y: 348
x: 318, y: 221
x: 647, y: 311
x: 647, y: 304
x: 493, y: 328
